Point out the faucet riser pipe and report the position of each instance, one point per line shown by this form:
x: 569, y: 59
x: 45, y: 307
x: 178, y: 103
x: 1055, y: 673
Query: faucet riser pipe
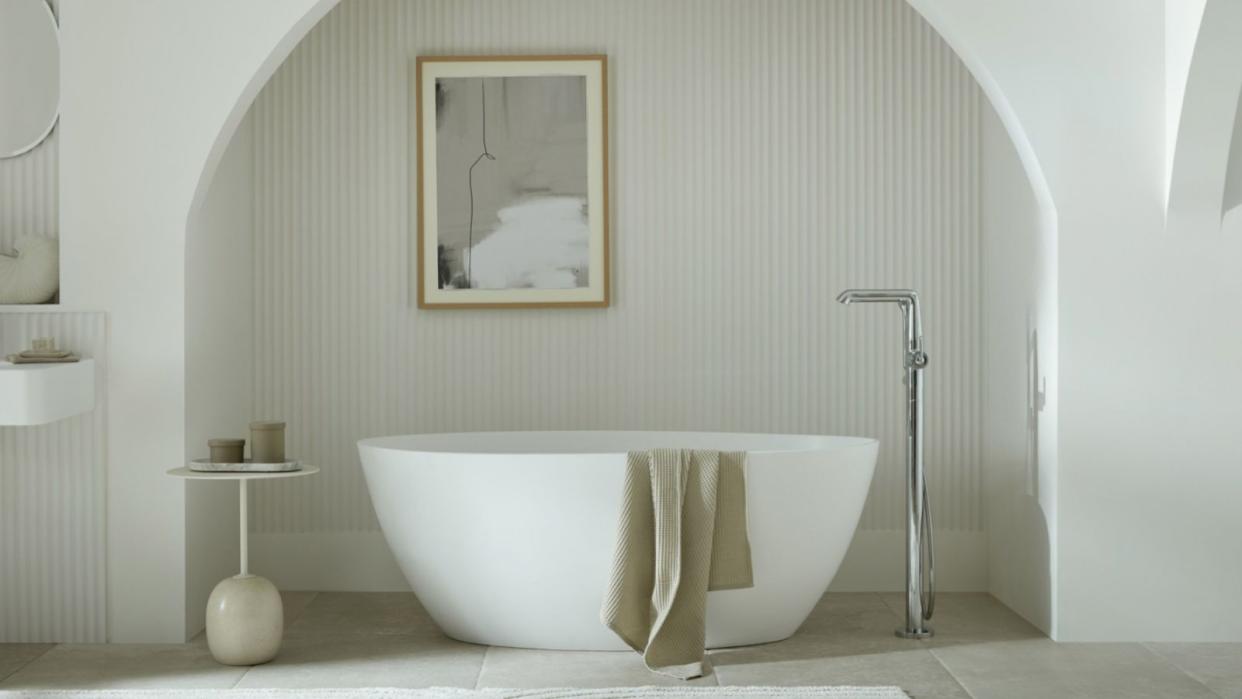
x: 919, y: 604
x: 916, y: 625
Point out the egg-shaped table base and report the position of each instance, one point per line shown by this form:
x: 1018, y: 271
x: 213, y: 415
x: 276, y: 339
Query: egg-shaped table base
x: 245, y: 620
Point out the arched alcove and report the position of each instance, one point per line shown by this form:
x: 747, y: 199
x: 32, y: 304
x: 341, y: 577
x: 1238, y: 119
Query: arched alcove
x: 219, y: 325
x: 1203, y: 179
x: 1232, y: 206
x: 997, y: 327
x: 1020, y: 300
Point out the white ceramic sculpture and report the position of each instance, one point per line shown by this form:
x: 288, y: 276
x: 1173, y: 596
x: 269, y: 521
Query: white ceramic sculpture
x: 32, y: 275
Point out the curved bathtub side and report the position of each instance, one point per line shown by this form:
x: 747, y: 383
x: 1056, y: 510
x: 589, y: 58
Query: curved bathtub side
x: 515, y: 549
x: 803, y: 509
x: 503, y: 549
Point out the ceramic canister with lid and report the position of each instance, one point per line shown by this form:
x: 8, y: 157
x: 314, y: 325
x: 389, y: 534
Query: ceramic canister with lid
x: 267, y: 441
x: 226, y: 451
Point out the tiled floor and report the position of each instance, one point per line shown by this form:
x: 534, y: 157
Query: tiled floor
x: 981, y: 649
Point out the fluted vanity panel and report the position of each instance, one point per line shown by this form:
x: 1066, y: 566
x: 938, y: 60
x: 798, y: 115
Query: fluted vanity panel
x: 52, y: 497
x: 765, y: 155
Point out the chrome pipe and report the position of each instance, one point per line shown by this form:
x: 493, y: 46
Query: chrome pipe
x: 920, y: 602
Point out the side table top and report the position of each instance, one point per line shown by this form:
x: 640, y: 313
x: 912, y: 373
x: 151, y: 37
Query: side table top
x: 185, y: 472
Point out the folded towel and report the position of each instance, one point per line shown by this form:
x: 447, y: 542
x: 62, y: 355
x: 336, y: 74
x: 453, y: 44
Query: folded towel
x: 682, y: 532
x: 23, y: 359
x: 50, y: 354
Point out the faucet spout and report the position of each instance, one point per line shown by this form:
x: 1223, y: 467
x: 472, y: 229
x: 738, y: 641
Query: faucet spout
x: 849, y: 296
x: 906, y: 299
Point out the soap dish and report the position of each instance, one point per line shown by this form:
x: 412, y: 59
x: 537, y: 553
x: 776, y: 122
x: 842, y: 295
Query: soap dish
x: 246, y: 466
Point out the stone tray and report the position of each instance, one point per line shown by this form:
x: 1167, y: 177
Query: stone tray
x: 247, y: 466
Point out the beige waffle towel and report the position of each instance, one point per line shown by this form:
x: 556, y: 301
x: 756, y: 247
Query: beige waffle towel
x: 682, y: 532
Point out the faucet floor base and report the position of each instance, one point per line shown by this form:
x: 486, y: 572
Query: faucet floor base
x: 915, y: 633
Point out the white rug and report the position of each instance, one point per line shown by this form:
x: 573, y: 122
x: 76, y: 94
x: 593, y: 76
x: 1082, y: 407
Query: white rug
x: 448, y: 693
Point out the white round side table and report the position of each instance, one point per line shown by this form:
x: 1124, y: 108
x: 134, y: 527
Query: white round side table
x: 245, y: 618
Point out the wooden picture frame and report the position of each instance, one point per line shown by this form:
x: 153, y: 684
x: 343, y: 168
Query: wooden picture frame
x: 512, y: 205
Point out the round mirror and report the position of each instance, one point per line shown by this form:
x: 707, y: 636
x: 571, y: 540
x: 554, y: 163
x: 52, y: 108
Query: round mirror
x: 29, y: 74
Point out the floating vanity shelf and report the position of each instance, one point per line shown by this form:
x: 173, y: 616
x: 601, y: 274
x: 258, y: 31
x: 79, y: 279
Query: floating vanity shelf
x: 35, y: 394
x: 30, y: 308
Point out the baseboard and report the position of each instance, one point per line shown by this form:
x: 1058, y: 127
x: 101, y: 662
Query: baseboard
x: 876, y: 562
x: 361, y: 561
x: 341, y: 561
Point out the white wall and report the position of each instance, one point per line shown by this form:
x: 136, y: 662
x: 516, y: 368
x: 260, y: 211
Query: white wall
x: 807, y: 147
x: 218, y: 375
x: 1019, y: 406
x: 1147, y: 476
x: 140, y: 127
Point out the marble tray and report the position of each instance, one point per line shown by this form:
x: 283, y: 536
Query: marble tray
x: 247, y: 466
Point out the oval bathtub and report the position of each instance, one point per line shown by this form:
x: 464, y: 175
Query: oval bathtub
x: 507, y: 537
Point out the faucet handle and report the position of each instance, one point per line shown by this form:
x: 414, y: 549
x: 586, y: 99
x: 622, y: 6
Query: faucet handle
x: 916, y: 359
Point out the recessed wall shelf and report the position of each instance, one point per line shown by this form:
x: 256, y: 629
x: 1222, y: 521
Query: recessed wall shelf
x: 36, y: 394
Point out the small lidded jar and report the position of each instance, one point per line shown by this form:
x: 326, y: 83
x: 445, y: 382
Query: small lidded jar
x: 267, y: 442
x: 226, y: 451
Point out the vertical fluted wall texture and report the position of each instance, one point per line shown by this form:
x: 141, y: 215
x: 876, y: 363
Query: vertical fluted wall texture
x: 52, y: 495
x: 765, y: 155
x: 28, y: 194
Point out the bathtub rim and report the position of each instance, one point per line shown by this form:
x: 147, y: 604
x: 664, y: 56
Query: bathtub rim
x: 403, y: 443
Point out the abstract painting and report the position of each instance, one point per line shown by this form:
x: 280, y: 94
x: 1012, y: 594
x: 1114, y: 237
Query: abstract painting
x: 511, y: 177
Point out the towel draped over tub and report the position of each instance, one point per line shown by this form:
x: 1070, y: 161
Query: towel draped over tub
x: 682, y: 532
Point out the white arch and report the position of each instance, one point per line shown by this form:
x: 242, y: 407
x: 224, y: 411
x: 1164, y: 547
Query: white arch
x: 927, y: 8
x: 1032, y: 525
x: 931, y: 12
x: 1199, y: 167
x: 1232, y: 205
x: 263, y: 72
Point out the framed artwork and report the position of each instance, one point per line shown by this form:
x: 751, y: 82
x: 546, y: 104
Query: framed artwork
x: 511, y: 176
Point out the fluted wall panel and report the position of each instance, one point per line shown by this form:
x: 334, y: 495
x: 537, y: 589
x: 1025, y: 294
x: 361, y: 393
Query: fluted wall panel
x: 29, y: 194
x: 765, y: 155
x: 52, y: 497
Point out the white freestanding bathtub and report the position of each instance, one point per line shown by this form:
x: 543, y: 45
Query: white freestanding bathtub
x: 507, y: 537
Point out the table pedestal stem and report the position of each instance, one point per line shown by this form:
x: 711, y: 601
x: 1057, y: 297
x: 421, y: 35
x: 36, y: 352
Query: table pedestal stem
x: 244, y: 526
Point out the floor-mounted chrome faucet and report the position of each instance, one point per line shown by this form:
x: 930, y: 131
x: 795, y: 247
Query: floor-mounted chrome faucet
x: 920, y: 600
